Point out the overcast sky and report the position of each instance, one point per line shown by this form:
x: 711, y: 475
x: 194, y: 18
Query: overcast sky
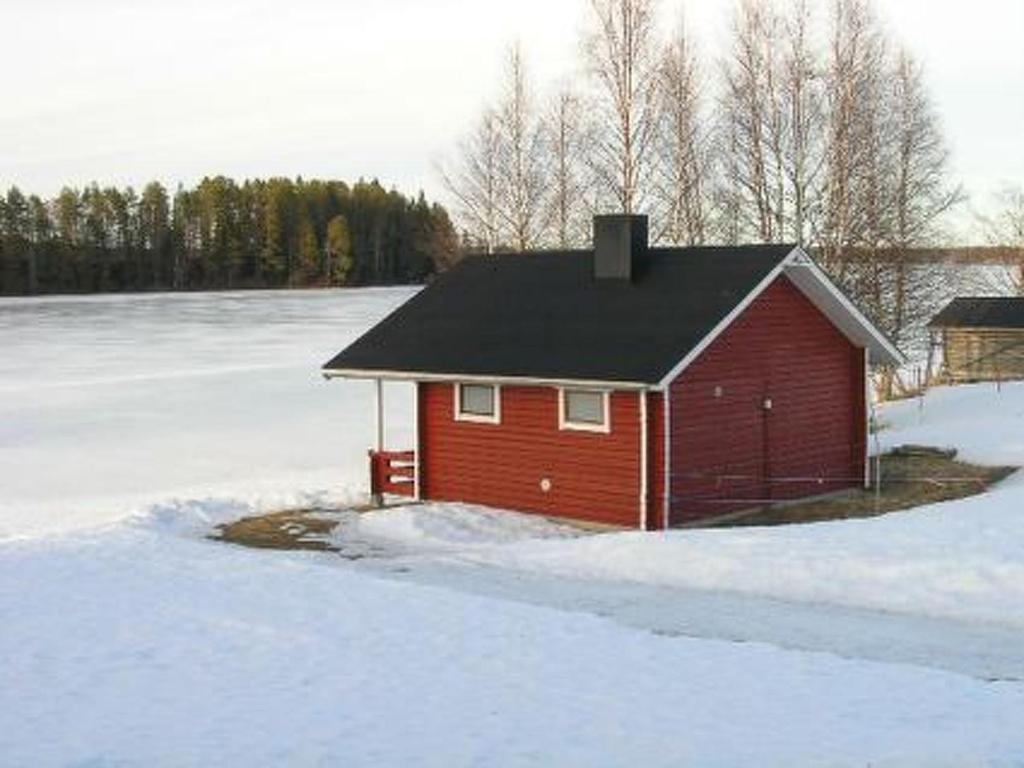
x: 123, y: 91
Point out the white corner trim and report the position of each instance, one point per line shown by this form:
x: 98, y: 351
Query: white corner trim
x: 565, y: 425
x: 642, y: 398
x: 476, y: 417
x: 867, y: 418
x: 666, y: 404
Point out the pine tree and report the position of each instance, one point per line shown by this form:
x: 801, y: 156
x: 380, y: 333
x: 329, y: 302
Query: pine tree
x: 276, y: 215
x: 15, y: 229
x: 309, y: 248
x: 340, y: 261
x: 40, y: 234
x: 154, y: 231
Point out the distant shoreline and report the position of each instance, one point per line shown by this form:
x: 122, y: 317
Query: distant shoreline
x: 187, y: 291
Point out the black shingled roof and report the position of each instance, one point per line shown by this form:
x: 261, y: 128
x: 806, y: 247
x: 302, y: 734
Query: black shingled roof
x: 981, y: 312
x: 542, y: 315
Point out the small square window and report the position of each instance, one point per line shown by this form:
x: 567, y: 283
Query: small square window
x: 477, y: 402
x: 584, y: 409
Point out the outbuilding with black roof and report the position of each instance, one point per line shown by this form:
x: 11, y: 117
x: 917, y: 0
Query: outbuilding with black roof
x: 624, y: 384
x: 981, y: 338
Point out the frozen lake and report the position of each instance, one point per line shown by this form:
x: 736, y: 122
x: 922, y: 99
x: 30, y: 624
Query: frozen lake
x: 109, y: 404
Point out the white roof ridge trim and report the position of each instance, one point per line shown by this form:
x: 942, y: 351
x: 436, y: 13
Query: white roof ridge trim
x: 798, y: 260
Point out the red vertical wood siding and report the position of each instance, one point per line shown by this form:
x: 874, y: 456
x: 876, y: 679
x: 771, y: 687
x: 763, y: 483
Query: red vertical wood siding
x: 593, y: 476
x: 727, y: 451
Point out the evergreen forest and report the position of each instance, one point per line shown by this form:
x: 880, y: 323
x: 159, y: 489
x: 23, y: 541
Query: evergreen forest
x: 220, y: 234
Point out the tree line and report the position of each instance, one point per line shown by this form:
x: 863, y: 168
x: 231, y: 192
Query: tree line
x: 220, y: 234
x: 813, y: 126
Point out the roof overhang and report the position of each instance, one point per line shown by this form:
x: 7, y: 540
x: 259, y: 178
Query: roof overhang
x: 813, y: 283
x: 797, y: 266
x: 526, y: 381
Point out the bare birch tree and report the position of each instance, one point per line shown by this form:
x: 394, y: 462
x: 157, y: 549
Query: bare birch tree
x: 727, y: 216
x: 521, y: 158
x: 473, y: 181
x: 921, y: 194
x: 776, y: 125
x: 856, y: 58
x: 872, y: 188
x: 860, y: 174
x: 891, y: 167
x: 681, y: 156
x: 622, y: 55
x: 828, y: 141
x: 803, y: 95
x: 922, y: 158
x: 770, y: 112
x: 746, y: 109
x: 567, y: 210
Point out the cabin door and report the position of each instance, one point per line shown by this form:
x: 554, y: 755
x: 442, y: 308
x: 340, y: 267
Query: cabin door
x: 721, y: 446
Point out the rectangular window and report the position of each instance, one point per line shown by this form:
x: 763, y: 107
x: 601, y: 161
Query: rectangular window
x: 584, y: 409
x: 478, y: 402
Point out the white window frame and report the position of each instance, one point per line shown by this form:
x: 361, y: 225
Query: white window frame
x: 477, y: 418
x: 565, y: 424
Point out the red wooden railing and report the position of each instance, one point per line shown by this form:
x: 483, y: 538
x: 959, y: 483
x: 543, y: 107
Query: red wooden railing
x: 393, y: 472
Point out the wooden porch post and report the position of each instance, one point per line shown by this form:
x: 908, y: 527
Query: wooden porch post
x: 417, y: 482
x: 377, y: 498
x: 378, y: 402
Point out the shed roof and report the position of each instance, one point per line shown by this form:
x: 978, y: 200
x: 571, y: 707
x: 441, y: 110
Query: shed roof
x: 981, y: 312
x: 542, y: 316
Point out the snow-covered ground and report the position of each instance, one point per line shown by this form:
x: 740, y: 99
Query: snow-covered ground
x: 128, y: 425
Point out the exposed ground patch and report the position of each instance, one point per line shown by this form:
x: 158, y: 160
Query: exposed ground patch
x: 911, y: 476
x: 315, y: 529
x: 292, y: 529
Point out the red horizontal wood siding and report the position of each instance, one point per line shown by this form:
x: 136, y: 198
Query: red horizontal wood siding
x: 593, y: 476
x: 728, y: 452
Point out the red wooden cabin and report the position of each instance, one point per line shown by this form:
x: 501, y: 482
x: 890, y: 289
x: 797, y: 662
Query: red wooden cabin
x: 628, y: 385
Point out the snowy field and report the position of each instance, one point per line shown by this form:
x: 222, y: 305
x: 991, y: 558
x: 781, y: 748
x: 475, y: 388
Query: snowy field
x: 130, y: 425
